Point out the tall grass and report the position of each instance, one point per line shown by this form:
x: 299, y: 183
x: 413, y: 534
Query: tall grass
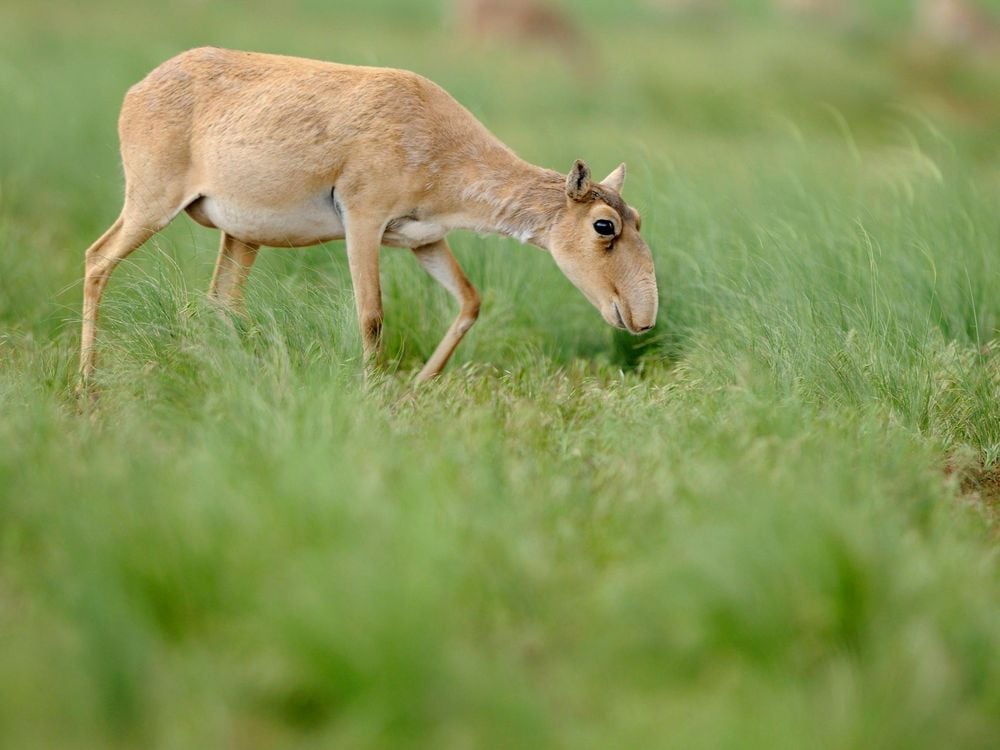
x: 754, y: 527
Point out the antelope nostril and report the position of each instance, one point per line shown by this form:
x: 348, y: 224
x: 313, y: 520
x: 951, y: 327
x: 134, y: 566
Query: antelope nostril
x: 643, y: 329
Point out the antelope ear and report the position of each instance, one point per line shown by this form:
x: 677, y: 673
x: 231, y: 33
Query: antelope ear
x: 578, y: 181
x: 616, y: 179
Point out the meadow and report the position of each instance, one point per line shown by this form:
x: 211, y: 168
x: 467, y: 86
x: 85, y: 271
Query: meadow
x: 770, y: 522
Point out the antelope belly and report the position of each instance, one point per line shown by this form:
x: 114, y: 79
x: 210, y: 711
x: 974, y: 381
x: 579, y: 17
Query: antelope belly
x: 297, y: 225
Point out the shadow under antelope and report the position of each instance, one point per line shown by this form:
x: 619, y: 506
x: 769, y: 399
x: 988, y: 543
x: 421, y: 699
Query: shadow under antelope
x: 288, y: 152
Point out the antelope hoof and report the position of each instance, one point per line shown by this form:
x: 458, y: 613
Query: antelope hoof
x: 86, y: 394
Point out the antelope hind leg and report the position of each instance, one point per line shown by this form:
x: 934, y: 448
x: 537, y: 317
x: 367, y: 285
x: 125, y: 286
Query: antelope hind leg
x: 121, y: 239
x: 232, y: 269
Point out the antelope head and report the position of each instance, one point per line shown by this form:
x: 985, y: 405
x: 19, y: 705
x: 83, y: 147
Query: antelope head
x: 596, y: 243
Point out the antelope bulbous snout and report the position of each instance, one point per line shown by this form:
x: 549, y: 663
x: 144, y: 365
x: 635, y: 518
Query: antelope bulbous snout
x: 634, y: 311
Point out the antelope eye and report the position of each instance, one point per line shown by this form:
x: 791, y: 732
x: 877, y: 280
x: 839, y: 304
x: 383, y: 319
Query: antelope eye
x: 604, y: 227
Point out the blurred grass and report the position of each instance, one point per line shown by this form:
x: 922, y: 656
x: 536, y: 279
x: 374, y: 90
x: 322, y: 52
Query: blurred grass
x: 753, y: 527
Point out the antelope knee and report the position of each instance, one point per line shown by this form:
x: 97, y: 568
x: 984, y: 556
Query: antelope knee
x: 470, y: 310
x: 94, y: 280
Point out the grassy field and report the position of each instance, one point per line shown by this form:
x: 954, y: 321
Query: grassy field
x: 772, y: 522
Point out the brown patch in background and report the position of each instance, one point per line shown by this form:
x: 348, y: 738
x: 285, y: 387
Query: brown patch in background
x: 980, y: 486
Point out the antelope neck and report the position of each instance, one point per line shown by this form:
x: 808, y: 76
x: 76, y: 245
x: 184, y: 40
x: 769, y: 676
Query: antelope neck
x: 512, y: 198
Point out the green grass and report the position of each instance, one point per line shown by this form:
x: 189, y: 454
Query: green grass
x: 766, y: 524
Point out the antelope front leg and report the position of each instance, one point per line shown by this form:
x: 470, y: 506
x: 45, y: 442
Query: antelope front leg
x: 439, y: 262
x: 363, y: 244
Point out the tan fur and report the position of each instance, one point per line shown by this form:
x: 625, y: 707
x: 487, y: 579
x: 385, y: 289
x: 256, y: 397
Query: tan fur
x: 289, y: 152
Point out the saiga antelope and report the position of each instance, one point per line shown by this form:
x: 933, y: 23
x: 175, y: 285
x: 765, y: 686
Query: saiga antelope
x: 288, y: 152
